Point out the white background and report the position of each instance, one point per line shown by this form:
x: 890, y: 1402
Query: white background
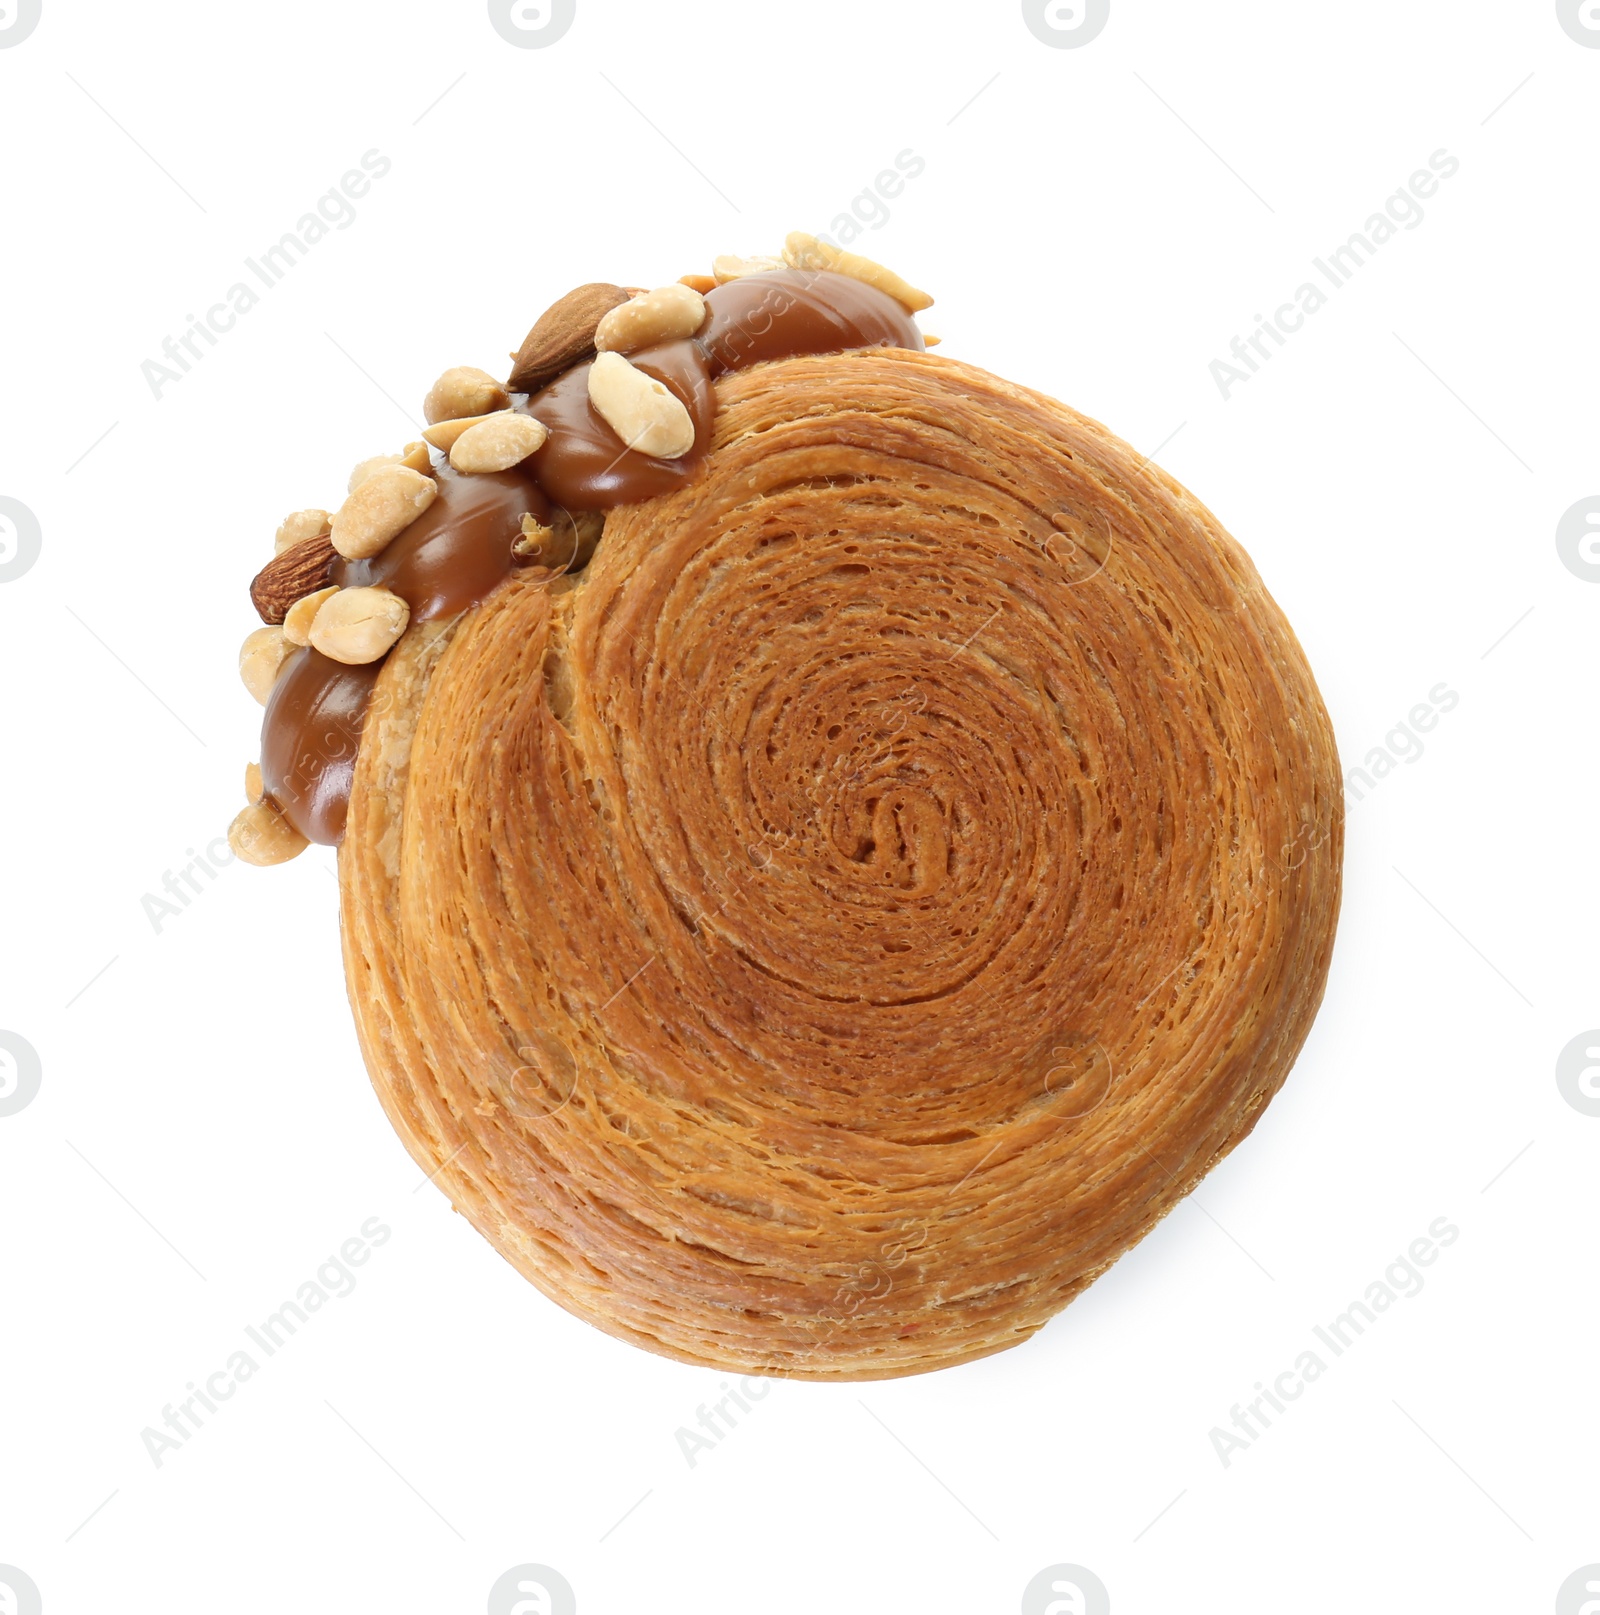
x: 1098, y: 223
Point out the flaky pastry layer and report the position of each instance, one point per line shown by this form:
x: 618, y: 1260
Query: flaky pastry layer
x: 824, y: 935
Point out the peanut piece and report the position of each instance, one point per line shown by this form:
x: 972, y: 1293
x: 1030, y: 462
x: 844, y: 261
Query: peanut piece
x: 261, y: 835
x: 254, y: 788
x: 298, y: 619
x: 536, y: 538
x: 260, y: 657
x: 668, y: 314
x: 359, y: 625
x: 564, y: 546
x: 465, y: 390
x: 299, y: 526
x: 728, y: 266
x: 367, y: 467
x: 801, y: 251
x: 383, y: 506
x: 414, y: 457
x: 642, y: 411
x: 498, y: 443
x: 444, y: 435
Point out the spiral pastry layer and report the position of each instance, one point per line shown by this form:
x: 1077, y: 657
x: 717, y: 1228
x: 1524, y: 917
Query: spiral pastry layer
x: 820, y: 937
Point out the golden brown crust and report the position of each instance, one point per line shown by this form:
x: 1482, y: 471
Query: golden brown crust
x: 825, y: 935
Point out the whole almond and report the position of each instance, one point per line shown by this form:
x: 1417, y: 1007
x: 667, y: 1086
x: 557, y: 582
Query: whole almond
x: 498, y: 442
x: 668, y: 314
x: 261, y: 835
x: 465, y: 390
x: 290, y: 576
x: 382, y: 507
x: 645, y: 413
x: 563, y: 336
x: 359, y: 625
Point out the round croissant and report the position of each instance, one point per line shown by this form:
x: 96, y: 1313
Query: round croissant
x: 822, y: 936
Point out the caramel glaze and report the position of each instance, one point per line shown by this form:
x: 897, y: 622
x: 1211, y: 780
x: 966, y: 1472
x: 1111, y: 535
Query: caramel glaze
x: 460, y: 549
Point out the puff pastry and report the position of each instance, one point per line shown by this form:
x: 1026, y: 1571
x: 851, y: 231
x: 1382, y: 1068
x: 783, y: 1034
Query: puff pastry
x: 839, y: 845
x: 823, y: 937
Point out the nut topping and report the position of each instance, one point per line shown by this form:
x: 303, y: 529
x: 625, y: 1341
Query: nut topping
x: 642, y: 411
x: 297, y: 624
x: 298, y: 527
x: 261, y: 835
x: 565, y: 545
x: 630, y: 376
x: 536, y: 539
x: 359, y: 625
x: 260, y: 657
x: 563, y: 336
x: 444, y: 435
x: 801, y: 251
x: 367, y: 467
x: 465, y: 390
x: 668, y: 314
x: 414, y: 457
x: 729, y: 266
x: 382, y: 507
x: 498, y: 442
x: 291, y: 575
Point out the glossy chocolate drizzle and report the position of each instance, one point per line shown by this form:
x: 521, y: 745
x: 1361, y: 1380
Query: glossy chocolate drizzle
x: 460, y: 549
